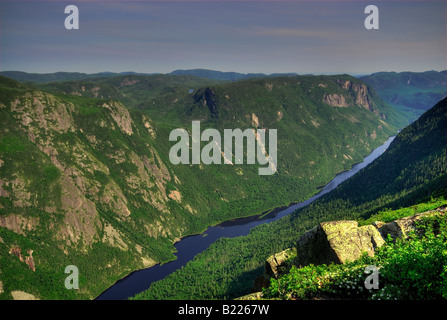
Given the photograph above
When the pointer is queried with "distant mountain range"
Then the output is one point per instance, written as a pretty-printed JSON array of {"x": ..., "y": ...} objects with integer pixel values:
[
  {"x": 412, "y": 92},
  {"x": 70, "y": 76},
  {"x": 230, "y": 76},
  {"x": 60, "y": 76}
]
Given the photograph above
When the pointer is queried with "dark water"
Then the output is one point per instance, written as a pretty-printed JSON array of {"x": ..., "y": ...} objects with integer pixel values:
[{"x": 188, "y": 247}]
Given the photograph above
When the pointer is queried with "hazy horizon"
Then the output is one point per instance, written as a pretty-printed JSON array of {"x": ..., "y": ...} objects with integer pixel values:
[
  {"x": 319, "y": 37},
  {"x": 267, "y": 74}
]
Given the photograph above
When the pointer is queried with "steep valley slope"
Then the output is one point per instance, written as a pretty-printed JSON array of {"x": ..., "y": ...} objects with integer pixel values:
[
  {"x": 412, "y": 171},
  {"x": 86, "y": 180}
]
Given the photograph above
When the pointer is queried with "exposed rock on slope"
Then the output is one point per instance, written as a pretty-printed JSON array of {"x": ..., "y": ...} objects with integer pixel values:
[
  {"x": 121, "y": 116},
  {"x": 401, "y": 227},
  {"x": 341, "y": 241},
  {"x": 208, "y": 98},
  {"x": 277, "y": 263},
  {"x": 337, "y": 242},
  {"x": 17, "y": 223},
  {"x": 71, "y": 178},
  {"x": 29, "y": 260},
  {"x": 335, "y": 100}
]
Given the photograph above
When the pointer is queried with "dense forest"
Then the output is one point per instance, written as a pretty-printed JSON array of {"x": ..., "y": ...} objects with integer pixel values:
[
  {"x": 411, "y": 171},
  {"x": 86, "y": 178}
]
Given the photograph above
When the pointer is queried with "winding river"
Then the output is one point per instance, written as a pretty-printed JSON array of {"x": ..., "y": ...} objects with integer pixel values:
[{"x": 190, "y": 246}]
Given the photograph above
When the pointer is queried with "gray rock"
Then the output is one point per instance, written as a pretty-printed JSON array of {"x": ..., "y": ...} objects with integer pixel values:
[
  {"x": 400, "y": 228},
  {"x": 277, "y": 263},
  {"x": 337, "y": 242}
]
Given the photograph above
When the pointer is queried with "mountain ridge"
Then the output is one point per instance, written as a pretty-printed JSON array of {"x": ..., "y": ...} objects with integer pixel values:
[
  {"x": 412, "y": 91},
  {"x": 87, "y": 181}
]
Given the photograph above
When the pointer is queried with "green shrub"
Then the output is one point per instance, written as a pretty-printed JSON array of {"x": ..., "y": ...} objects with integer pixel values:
[{"x": 415, "y": 268}]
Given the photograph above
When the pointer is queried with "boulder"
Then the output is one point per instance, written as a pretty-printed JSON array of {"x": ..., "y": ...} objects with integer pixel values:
[
  {"x": 277, "y": 263},
  {"x": 337, "y": 242}
]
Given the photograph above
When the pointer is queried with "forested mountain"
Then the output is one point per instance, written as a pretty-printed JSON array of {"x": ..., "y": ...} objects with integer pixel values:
[
  {"x": 411, "y": 171},
  {"x": 58, "y": 76},
  {"x": 217, "y": 75},
  {"x": 412, "y": 91},
  {"x": 86, "y": 180},
  {"x": 75, "y": 76}
]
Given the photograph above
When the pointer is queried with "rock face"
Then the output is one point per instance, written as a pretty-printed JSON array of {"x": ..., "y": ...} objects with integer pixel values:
[
  {"x": 279, "y": 262},
  {"x": 18, "y": 224},
  {"x": 335, "y": 100},
  {"x": 360, "y": 92},
  {"x": 17, "y": 251},
  {"x": 337, "y": 242},
  {"x": 121, "y": 116},
  {"x": 208, "y": 98}
]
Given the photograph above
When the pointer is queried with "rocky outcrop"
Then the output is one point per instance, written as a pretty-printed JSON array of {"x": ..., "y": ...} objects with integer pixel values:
[
  {"x": 335, "y": 100},
  {"x": 18, "y": 224},
  {"x": 22, "y": 295},
  {"x": 337, "y": 242},
  {"x": 121, "y": 116},
  {"x": 359, "y": 92},
  {"x": 251, "y": 296},
  {"x": 279, "y": 263},
  {"x": 341, "y": 241},
  {"x": 128, "y": 82},
  {"x": 400, "y": 228},
  {"x": 77, "y": 155},
  {"x": 362, "y": 97},
  {"x": 208, "y": 98},
  {"x": 29, "y": 260}
]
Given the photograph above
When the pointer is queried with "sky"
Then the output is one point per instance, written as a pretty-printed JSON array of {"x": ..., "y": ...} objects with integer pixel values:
[{"x": 318, "y": 37}]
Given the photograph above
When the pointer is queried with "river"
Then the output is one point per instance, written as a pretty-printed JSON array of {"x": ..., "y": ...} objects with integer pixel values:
[{"x": 188, "y": 247}]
